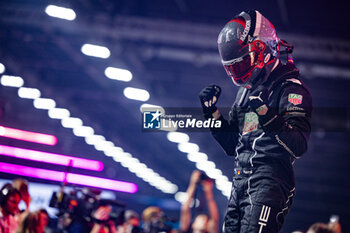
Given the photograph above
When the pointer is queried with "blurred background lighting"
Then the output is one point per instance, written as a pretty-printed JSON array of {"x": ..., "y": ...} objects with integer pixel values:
[
  {"x": 178, "y": 137},
  {"x": 205, "y": 165},
  {"x": 71, "y": 122},
  {"x": 45, "y": 157},
  {"x": 95, "y": 51},
  {"x": 83, "y": 131},
  {"x": 113, "y": 151},
  {"x": 151, "y": 107},
  {"x": 60, "y": 12},
  {"x": 44, "y": 103},
  {"x": 58, "y": 113},
  {"x": 28, "y": 93},
  {"x": 72, "y": 178},
  {"x": 28, "y": 136},
  {"x": 118, "y": 74},
  {"x": 136, "y": 94},
  {"x": 102, "y": 145},
  {"x": 94, "y": 139},
  {"x": 196, "y": 157},
  {"x": 188, "y": 147},
  {"x": 2, "y": 68},
  {"x": 11, "y": 81}
]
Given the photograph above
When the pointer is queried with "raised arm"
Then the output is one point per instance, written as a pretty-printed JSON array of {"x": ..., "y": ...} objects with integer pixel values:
[
  {"x": 213, "y": 224},
  {"x": 185, "y": 215}
]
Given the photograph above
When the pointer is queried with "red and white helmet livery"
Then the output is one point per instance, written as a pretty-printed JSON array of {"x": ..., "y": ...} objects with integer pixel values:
[{"x": 249, "y": 48}]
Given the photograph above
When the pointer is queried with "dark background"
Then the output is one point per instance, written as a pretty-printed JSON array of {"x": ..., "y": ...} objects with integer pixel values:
[{"x": 170, "y": 47}]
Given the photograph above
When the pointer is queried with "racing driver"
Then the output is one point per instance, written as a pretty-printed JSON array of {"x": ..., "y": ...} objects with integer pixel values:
[{"x": 268, "y": 126}]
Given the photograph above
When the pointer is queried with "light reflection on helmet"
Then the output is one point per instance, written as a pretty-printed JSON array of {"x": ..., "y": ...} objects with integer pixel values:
[{"x": 249, "y": 47}]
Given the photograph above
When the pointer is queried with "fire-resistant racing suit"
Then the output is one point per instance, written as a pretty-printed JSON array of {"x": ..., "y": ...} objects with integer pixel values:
[{"x": 263, "y": 183}]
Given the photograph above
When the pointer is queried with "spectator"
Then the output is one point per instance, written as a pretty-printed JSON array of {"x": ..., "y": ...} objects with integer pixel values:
[
  {"x": 332, "y": 227},
  {"x": 22, "y": 186},
  {"x": 105, "y": 224},
  {"x": 154, "y": 220},
  {"x": 9, "y": 200},
  {"x": 131, "y": 223},
  {"x": 202, "y": 223},
  {"x": 35, "y": 222}
]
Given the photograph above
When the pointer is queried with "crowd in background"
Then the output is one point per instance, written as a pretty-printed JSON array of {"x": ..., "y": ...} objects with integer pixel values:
[{"x": 152, "y": 220}]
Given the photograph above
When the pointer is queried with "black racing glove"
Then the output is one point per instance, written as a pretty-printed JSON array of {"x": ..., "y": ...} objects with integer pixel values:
[
  {"x": 209, "y": 96},
  {"x": 268, "y": 117}
]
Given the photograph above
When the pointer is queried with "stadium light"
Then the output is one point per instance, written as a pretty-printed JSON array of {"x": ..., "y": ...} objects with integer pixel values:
[
  {"x": 28, "y": 93},
  {"x": 58, "y": 113},
  {"x": 2, "y": 68},
  {"x": 188, "y": 147},
  {"x": 83, "y": 131},
  {"x": 95, "y": 51},
  {"x": 11, "y": 81},
  {"x": 136, "y": 94},
  {"x": 196, "y": 157},
  {"x": 45, "y": 157},
  {"x": 71, "y": 178},
  {"x": 60, "y": 12},
  {"x": 178, "y": 137},
  {"x": 44, "y": 103},
  {"x": 98, "y": 141},
  {"x": 28, "y": 136},
  {"x": 118, "y": 74},
  {"x": 94, "y": 139},
  {"x": 151, "y": 107},
  {"x": 71, "y": 122}
]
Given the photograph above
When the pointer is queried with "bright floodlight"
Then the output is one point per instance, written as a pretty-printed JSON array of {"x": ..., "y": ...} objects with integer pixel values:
[
  {"x": 170, "y": 189},
  {"x": 27, "y": 136},
  {"x": 188, "y": 147},
  {"x": 95, "y": 51},
  {"x": 196, "y": 157},
  {"x": 136, "y": 94},
  {"x": 2, "y": 68},
  {"x": 113, "y": 151},
  {"x": 178, "y": 137},
  {"x": 118, "y": 74},
  {"x": 94, "y": 139},
  {"x": 11, "y": 81},
  {"x": 181, "y": 197},
  {"x": 103, "y": 145},
  {"x": 151, "y": 107},
  {"x": 58, "y": 113},
  {"x": 121, "y": 157},
  {"x": 44, "y": 103},
  {"x": 28, "y": 93},
  {"x": 60, "y": 12},
  {"x": 71, "y": 178},
  {"x": 205, "y": 165},
  {"x": 71, "y": 122},
  {"x": 83, "y": 131},
  {"x": 213, "y": 173}
]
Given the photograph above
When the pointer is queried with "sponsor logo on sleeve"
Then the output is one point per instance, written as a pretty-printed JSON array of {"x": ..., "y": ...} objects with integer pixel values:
[{"x": 295, "y": 99}]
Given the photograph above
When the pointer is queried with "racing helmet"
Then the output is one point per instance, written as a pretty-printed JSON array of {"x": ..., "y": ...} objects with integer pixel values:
[{"x": 249, "y": 48}]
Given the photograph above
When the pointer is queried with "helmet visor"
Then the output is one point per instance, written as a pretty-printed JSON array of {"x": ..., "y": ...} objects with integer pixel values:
[{"x": 238, "y": 68}]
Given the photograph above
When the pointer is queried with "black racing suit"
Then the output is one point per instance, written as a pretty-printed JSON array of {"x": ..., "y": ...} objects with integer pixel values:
[{"x": 263, "y": 183}]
